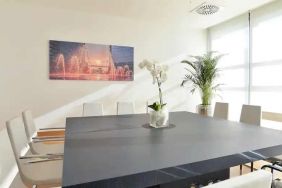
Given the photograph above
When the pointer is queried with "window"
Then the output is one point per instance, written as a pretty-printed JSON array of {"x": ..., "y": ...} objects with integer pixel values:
[
  {"x": 252, "y": 68},
  {"x": 266, "y": 79},
  {"x": 231, "y": 39}
]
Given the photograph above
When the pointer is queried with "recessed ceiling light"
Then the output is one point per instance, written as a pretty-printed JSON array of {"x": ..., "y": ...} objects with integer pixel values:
[{"x": 207, "y": 9}]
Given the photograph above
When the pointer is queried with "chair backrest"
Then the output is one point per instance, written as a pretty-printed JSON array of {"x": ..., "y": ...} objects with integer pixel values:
[
  {"x": 18, "y": 139},
  {"x": 251, "y": 114},
  {"x": 257, "y": 179},
  {"x": 20, "y": 146},
  {"x": 221, "y": 110},
  {"x": 147, "y": 108},
  {"x": 30, "y": 128},
  {"x": 93, "y": 109},
  {"x": 125, "y": 108}
]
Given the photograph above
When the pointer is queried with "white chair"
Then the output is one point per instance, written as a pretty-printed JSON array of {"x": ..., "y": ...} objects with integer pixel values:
[
  {"x": 40, "y": 145},
  {"x": 93, "y": 109},
  {"x": 29, "y": 125},
  {"x": 47, "y": 146},
  {"x": 251, "y": 114},
  {"x": 147, "y": 108},
  {"x": 257, "y": 179},
  {"x": 221, "y": 110},
  {"x": 124, "y": 108},
  {"x": 31, "y": 129},
  {"x": 34, "y": 170}
]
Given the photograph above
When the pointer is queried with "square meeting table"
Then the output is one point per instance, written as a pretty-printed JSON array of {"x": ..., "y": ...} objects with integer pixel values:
[{"x": 122, "y": 152}]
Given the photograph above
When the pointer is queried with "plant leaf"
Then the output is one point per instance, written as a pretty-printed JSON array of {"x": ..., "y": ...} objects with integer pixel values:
[{"x": 202, "y": 73}]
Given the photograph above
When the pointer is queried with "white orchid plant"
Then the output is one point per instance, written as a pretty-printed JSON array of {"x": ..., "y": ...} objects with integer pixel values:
[{"x": 159, "y": 75}]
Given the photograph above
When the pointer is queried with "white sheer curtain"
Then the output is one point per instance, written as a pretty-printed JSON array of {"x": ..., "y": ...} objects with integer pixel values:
[
  {"x": 252, "y": 68},
  {"x": 231, "y": 38},
  {"x": 266, "y": 71}
]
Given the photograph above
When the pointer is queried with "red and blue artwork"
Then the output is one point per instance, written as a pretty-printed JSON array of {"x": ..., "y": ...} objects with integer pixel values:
[{"x": 84, "y": 61}]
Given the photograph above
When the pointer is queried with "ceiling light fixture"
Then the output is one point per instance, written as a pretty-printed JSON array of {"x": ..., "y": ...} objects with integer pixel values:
[{"x": 206, "y": 8}]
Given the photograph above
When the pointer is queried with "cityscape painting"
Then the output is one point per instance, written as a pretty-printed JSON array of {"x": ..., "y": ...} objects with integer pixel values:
[{"x": 83, "y": 61}]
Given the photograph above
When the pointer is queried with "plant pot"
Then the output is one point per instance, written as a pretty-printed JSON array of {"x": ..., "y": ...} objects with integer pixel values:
[
  {"x": 159, "y": 119},
  {"x": 204, "y": 110}
]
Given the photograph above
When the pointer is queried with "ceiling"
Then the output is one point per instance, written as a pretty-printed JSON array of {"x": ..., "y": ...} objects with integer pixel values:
[{"x": 156, "y": 10}]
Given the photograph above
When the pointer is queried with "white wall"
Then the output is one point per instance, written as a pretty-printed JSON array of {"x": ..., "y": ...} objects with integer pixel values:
[{"x": 24, "y": 33}]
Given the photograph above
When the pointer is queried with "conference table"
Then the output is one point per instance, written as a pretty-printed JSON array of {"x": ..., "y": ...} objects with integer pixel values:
[{"x": 124, "y": 152}]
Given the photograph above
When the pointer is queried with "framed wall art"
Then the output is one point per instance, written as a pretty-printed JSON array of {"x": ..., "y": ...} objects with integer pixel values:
[{"x": 84, "y": 61}]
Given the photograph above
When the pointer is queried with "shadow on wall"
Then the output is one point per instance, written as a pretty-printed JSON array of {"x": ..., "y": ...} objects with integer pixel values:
[{"x": 140, "y": 91}]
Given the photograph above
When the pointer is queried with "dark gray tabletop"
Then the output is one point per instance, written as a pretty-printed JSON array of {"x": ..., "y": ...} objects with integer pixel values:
[{"x": 117, "y": 151}]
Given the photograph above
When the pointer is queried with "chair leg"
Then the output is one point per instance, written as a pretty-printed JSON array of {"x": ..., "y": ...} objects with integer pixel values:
[
  {"x": 241, "y": 169},
  {"x": 252, "y": 166}
]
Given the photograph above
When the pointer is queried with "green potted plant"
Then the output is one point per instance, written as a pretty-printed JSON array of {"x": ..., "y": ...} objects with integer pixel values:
[{"x": 202, "y": 72}]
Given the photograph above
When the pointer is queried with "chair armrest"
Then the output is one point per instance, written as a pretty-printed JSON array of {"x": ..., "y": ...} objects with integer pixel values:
[
  {"x": 46, "y": 137},
  {"x": 273, "y": 167},
  {"x": 46, "y": 156},
  {"x": 279, "y": 163},
  {"x": 43, "y": 160},
  {"x": 50, "y": 128},
  {"x": 48, "y": 140}
]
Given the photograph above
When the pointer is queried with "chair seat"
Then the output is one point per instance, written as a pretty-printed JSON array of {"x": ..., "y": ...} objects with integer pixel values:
[
  {"x": 47, "y": 147},
  {"x": 44, "y": 173}
]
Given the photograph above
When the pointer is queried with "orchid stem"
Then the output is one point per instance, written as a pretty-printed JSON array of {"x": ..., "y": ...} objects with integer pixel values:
[{"x": 160, "y": 91}]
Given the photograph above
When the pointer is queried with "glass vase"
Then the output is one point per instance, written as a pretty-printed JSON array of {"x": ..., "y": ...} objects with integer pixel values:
[
  {"x": 159, "y": 119},
  {"x": 204, "y": 110}
]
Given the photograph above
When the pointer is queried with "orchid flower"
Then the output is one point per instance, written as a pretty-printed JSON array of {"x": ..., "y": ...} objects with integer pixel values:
[{"x": 159, "y": 75}]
